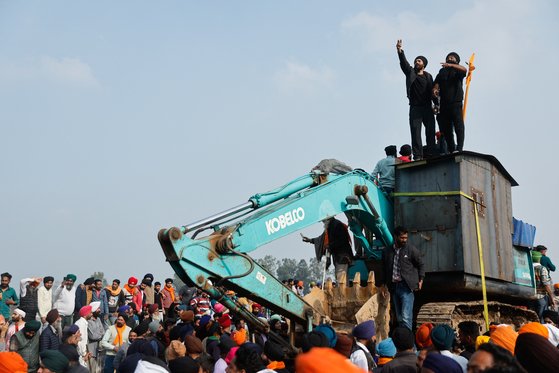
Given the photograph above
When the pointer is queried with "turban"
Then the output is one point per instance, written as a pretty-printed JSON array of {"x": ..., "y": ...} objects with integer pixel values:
[
  {"x": 329, "y": 332},
  {"x": 52, "y": 316},
  {"x": 505, "y": 337},
  {"x": 123, "y": 309},
  {"x": 239, "y": 337},
  {"x": 455, "y": 56},
  {"x": 175, "y": 350},
  {"x": 442, "y": 336},
  {"x": 32, "y": 326},
  {"x": 402, "y": 338},
  {"x": 12, "y": 362},
  {"x": 71, "y": 276},
  {"x": 141, "y": 329},
  {"x": 89, "y": 281},
  {"x": 536, "y": 256},
  {"x": 55, "y": 361},
  {"x": 441, "y": 364},
  {"x": 132, "y": 281},
  {"x": 274, "y": 351},
  {"x": 556, "y": 286},
  {"x": 481, "y": 339},
  {"x": 186, "y": 316},
  {"x": 536, "y": 354},
  {"x": 423, "y": 335},
  {"x": 154, "y": 326},
  {"x": 231, "y": 355},
  {"x": 19, "y": 312},
  {"x": 321, "y": 359},
  {"x": 95, "y": 306},
  {"x": 365, "y": 330},
  {"x": 256, "y": 307},
  {"x": 71, "y": 330},
  {"x": 424, "y": 59},
  {"x": 224, "y": 321},
  {"x": 536, "y": 328},
  {"x": 344, "y": 344},
  {"x": 300, "y": 283},
  {"x": 275, "y": 317},
  {"x": 85, "y": 310},
  {"x": 184, "y": 364},
  {"x": 386, "y": 348},
  {"x": 48, "y": 279},
  {"x": 314, "y": 339},
  {"x": 153, "y": 308},
  {"x": 553, "y": 334},
  {"x": 193, "y": 345},
  {"x": 218, "y": 307}
]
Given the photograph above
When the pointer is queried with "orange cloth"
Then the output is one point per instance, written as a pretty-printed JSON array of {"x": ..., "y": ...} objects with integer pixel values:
[
  {"x": 118, "y": 339},
  {"x": 171, "y": 291},
  {"x": 239, "y": 337},
  {"x": 536, "y": 328},
  {"x": 481, "y": 339},
  {"x": 132, "y": 291},
  {"x": 504, "y": 336},
  {"x": 423, "y": 335},
  {"x": 114, "y": 293},
  {"x": 324, "y": 359},
  {"x": 384, "y": 360},
  {"x": 12, "y": 362},
  {"x": 274, "y": 365}
]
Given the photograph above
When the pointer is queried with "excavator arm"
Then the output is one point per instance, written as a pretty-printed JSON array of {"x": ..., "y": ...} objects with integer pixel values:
[{"x": 221, "y": 257}]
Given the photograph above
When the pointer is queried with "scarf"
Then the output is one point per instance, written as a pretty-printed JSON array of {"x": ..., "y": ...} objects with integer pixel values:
[
  {"x": 274, "y": 365},
  {"x": 171, "y": 291},
  {"x": 383, "y": 360},
  {"x": 132, "y": 291},
  {"x": 114, "y": 293},
  {"x": 118, "y": 339},
  {"x": 88, "y": 296}
]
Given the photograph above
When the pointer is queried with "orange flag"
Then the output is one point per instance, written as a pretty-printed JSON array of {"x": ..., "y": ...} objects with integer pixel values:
[{"x": 471, "y": 68}]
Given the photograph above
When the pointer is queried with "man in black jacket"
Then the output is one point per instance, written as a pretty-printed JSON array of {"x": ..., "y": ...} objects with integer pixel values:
[
  {"x": 419, "y": 88},
  {"x": 448, "y": 86},
  {"x": 404, "y": 273}
]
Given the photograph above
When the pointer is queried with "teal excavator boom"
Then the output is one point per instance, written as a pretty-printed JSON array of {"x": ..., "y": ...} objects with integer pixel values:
[{"x": 220, "y": 259}]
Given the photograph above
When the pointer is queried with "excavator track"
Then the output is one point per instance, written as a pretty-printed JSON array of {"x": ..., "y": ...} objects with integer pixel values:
[{"x": 453, "y": 313}]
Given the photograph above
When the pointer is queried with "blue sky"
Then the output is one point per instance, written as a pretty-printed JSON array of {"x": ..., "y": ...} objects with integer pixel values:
[{"x": 120, "y": 118}]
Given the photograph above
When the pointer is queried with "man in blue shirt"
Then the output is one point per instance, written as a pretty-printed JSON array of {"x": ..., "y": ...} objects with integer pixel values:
[{"x": 384, "y": 170}]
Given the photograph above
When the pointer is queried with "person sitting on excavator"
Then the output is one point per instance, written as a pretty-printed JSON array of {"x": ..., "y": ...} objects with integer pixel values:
[{"x": 336, "y": 241}]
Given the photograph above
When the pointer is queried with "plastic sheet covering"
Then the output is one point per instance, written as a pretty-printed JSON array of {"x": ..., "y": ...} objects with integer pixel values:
[
  {"x": 332, "y": 166},
  {"x": 523, "y": 234}
]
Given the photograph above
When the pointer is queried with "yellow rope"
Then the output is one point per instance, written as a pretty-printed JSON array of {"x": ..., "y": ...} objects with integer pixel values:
[{"x": 478, "y": 234}]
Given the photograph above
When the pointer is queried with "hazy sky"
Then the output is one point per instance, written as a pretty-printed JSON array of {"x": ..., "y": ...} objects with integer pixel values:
[{"x": 119, "y": 118}]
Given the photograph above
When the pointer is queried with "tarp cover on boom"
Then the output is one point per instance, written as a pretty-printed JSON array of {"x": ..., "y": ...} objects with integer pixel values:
[{"x": 523, "y": 234}]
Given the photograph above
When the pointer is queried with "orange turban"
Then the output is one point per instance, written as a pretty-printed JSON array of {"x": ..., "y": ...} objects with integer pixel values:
[
  {"x": 12, "y": 362},
  {"x": 423, "y": 335},
  {"x": 536, "y": 328},
  {"x": 505, "y": 337},
  {"x": 324, "y": 359},
  {"x": 239, "y": 337}
]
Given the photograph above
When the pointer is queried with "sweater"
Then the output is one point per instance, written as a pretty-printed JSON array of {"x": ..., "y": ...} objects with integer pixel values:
[
  {"x": 44, "y": 300},
  {"x": 64, "y": 300}
]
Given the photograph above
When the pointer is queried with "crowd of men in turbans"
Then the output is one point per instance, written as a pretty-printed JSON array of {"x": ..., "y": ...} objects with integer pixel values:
[{"x": 144, "y": 326}]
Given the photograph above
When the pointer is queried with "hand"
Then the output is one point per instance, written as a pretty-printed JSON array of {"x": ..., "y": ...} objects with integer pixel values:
[
  {"x": 306, "y": 239},
  {"x": 471, "y": 67},
  {"x": 399, "y": 45},
  {"x": 10, "y": 302},
  {"x": 420, "y": 285},
  {"x": 116, "y": 348},
  {"x": 87, "y": 356},
  {"x": 43, "y": 320},
  {"x": 384, "y": 291}
]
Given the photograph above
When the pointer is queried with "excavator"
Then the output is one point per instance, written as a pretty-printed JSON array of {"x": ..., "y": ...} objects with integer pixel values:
[{"x": 458, "y": 212}]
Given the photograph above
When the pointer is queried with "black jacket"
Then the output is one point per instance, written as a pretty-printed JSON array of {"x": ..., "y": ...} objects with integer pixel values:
[
  {"x": 411, "y": 266},
  {"x": 411, "y": 75}
]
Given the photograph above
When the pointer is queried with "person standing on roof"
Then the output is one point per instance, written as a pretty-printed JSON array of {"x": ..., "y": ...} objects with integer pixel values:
[
  {"x": 543, "y": 285},
  {"x": 448, "y": 87},
  {"x": 337, "y": 241},
  {"x": 384, "y": 170},
  {"x": 419, "y": 87},
  {"x": 405, "y": 153}
]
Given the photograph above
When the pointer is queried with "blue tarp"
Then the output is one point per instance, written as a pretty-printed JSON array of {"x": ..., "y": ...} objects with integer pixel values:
[{"x": 524, "y": 234}]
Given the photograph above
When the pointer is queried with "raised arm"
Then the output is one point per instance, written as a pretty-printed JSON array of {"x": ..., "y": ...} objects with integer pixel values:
[{"x": 404, "y": 64}]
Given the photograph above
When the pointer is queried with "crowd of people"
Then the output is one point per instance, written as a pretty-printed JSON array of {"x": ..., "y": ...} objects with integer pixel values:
[{"x": 146, "y": 327}]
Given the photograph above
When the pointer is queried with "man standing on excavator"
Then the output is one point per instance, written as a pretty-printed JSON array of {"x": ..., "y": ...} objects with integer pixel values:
[
  {"x": 404, "y": 272},
  {"x": 337, "y": 241},
  {"x": 419, "y": 86}
]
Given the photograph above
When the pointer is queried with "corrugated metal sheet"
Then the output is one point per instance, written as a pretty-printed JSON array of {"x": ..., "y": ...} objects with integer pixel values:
[{"x": 443, "y": 226}]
